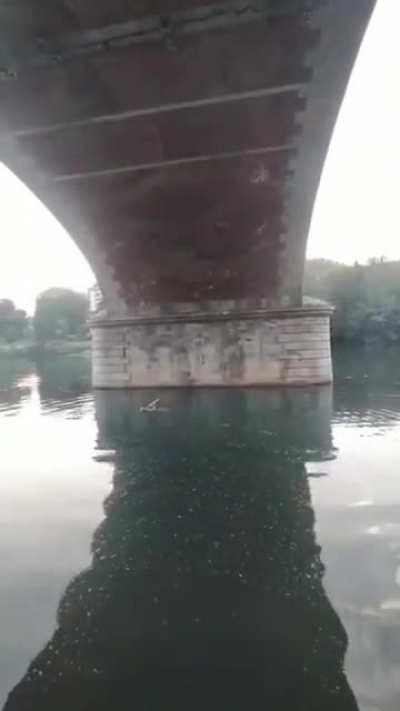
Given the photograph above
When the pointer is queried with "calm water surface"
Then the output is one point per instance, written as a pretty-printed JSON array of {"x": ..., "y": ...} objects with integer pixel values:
[{"x": 229, "y": 550}]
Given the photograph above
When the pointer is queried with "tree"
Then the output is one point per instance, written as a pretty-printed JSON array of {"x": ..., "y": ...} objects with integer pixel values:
[
  {"x": 13, "y": 322},
  {"x": 7, "y": 308},
  {"x": 366, "y": 298},
  {"x": 60, "y": 313}
]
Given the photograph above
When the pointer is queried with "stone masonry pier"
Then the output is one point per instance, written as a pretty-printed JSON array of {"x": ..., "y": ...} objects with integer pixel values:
[{"x": 259, "y": 347}]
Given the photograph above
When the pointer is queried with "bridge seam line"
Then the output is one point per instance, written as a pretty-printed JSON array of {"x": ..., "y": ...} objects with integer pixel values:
[
  {"x": 163, "y": 108},
  {"x": 172, "y": 163},
  {"x": 269, "y": 314}
]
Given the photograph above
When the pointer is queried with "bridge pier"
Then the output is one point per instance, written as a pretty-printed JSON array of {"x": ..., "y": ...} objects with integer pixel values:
[{"x": 187, "y": 345}]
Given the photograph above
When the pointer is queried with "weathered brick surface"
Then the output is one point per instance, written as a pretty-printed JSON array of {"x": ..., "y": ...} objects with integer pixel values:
[{"x": 213, "y": 352}]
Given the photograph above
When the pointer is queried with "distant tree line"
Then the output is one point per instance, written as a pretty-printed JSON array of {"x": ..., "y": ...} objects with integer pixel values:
[
  {"x": 13, "y": 321},
  {"x": 366, "y": 298},
  {"x": 60, "y": 314}
]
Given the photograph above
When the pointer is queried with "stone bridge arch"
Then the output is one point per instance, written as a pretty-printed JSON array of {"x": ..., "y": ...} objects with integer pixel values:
[{"x": 181, "y": 144}]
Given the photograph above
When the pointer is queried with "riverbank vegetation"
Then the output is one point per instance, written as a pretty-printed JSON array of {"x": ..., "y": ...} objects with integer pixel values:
[
  {"x": 366, "y": 299},
  {"x": 59, "y": 325}
]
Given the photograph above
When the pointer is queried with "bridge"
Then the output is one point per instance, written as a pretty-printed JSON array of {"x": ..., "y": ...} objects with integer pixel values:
[{"x": 181, "y": 143}]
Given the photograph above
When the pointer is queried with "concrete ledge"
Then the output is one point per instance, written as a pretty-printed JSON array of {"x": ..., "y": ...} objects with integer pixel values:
[
  {"x": 317, "y": 316},
  {"x": 261, "y": 348}
]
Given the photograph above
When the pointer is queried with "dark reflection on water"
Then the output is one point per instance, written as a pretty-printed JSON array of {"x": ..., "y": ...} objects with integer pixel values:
[
  {"x": 12, "y": 390},
  {"x": 367, "y": 387},
  {"x": 64, "y": 384},
  {"x": 206, "y": 580},
  {"x": 206, "y": 584}
]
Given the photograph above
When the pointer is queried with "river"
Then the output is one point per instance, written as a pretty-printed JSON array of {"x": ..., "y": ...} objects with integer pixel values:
[{"x": 227, "y": 549}]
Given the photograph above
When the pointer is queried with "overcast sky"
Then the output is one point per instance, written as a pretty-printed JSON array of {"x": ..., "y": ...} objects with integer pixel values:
[{"x": 357, "y": 213}]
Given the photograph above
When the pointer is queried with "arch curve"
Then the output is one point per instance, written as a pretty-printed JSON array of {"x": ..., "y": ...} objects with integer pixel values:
[{"x": 182, "y": 144}]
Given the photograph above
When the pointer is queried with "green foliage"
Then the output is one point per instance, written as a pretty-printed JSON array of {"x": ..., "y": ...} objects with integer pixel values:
[
  {"x": 13, "y": 322},
  {"x": 366, "y": 298},
  {"x": 60, "y": 314}
]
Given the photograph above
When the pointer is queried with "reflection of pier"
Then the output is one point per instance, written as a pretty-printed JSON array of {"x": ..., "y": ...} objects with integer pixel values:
[{"x": 206, "y": 581}]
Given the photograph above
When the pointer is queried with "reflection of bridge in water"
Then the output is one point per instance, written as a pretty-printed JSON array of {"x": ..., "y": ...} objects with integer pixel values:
[{"x": 206, "y": 581}]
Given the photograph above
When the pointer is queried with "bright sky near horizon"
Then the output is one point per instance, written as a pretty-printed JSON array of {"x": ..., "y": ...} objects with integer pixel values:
[{"x": 356, "y": 213}]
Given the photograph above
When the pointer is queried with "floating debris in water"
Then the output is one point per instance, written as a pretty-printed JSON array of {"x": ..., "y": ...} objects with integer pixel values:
[{"x": 153, "y": 407}]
